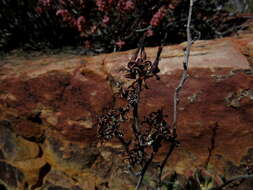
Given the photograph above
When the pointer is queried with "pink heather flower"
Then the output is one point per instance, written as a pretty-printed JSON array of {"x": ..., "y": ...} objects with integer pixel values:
[
  {"x": 106, "y": 19},
  {"x": 80, "y": 23},
  {"x": 149, "y": 33},
  {"x": 66, "y": 17},
  {"x": 101, "y": 4},
  {"x": 62, "y": 12},
  {"x": 45, "y": 3},
  {"x": 128, "y": 5},
  {"x": 158, "y": 16},
  {"x": 120, "y": 43},
  {"x": 124, "y": 5}
]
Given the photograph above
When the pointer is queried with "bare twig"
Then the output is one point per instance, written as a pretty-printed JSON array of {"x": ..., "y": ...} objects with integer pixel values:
[
  {"x": 185, "y": 66},
  {"x": 176, "y": 94},
  {"x": 231, "y": 180},
  {"x": 144, "y": 29}
]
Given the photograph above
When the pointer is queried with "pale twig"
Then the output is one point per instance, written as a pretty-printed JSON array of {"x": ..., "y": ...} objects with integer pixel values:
[
  {"x": 177, "y": 91},
  {"x": 144, "y": 29},
  {"x": 185, "y": 71}
]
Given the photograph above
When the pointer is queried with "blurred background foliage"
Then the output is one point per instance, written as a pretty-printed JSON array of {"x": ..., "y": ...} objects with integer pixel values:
[{"x": 110, "y": 25}]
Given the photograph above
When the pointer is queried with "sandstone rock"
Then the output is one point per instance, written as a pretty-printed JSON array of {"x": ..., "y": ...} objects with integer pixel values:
[
  {"x": 16, "y": 148},
  {"x": 31, "y": 169},
  {"x": 10, "y": 177},
  {"x": 49, "y": 107}
]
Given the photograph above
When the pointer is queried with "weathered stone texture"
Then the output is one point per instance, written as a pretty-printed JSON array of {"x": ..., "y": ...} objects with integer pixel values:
[{"x": 49, "y": 107}]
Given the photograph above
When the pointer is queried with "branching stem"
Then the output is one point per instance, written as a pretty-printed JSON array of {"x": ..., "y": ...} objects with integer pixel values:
[
  {"x": 177, "y": 93},
  {"x": 185, "y": 71}
]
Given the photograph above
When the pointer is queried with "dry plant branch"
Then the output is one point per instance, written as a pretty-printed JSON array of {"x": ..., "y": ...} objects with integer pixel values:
[
  {"x": 147, "y": 134},
  {"x": 185, "y": 66},
  {"x": 177, "y": 93},
  {"x": 150, "y": 133}
]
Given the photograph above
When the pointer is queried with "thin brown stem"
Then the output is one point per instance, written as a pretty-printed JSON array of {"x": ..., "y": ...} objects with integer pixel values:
[
  {"x": 143, "y": 171},
  {"x": 136, "y": 122},
  {"x": 172, "y": 147}
]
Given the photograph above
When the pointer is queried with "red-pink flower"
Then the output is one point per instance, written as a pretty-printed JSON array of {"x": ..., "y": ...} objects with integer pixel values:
[
  {"x": 158, "y": 16},
  {"x": 45, "y": 3},
  {"x": 106, "y": 19},
  {"x": 80, "y": 23},
  {"x": 62, "y": 12},
  {"x": 101, "y": 4},
  {"x": 149, "y": 33},
  {"x": 124, "y": 5},
  {"x": 129, "y": 5},
  {"x": 120, "y": 43}
]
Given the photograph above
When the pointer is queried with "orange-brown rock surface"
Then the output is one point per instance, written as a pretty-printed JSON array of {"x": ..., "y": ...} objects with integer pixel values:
[{"x": 49, "y": 106}]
